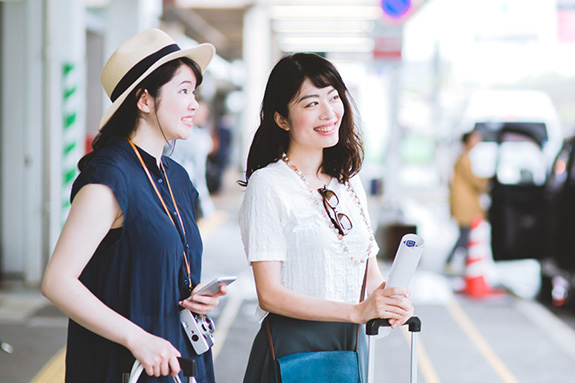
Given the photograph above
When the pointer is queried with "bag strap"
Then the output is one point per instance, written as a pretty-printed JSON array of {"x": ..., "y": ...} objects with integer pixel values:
[
  {"x": 269, "y": 334},
  {"x": 362, "y": 296}
]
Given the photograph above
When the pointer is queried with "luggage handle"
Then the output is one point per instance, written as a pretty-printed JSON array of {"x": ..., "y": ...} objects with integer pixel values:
[
  {"x": 372, "y": 327},
  {"x": 187, "y": 365}
]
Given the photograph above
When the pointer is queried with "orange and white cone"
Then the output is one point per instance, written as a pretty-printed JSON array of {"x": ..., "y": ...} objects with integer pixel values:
[{"x": 478, "y": 255}]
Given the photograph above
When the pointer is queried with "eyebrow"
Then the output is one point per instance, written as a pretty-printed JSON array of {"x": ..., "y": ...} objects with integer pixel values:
[{"x": 314, "y": 95}]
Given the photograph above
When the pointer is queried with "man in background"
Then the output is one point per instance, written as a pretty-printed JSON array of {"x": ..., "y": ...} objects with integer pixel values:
[{"x": 465, "y": 191}]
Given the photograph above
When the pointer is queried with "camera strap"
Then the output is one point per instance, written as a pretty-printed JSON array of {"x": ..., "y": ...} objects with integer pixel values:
[{"x": 182, "y": 236}]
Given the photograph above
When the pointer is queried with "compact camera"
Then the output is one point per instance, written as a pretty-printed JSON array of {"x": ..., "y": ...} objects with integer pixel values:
[{"x": 199, "y": 329}]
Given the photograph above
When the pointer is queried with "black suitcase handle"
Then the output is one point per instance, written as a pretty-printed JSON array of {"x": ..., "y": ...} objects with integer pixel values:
[
  {"x": 187, "y": 365},
  {"x": 372, "y": 327}
]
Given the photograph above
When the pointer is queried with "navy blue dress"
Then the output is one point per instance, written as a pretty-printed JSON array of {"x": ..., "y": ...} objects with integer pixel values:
[{"x": 138, "y": 270}]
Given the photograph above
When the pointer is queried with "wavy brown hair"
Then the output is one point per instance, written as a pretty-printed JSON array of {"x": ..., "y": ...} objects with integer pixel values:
[{"x": 341, "y": 161}]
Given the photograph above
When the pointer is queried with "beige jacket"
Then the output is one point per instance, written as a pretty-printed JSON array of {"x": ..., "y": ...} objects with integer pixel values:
[{"x": 465, "y": 190}]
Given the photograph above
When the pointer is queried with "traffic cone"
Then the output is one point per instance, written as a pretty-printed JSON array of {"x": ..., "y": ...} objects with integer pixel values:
[{"x": 478, "y": 251}]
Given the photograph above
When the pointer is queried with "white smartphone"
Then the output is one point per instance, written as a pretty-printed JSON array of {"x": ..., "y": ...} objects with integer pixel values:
[{"x": 213, "y": 287}]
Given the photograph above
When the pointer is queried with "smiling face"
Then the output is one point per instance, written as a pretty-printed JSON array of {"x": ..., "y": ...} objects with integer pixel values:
[
  {"x": 314, "y": 118},
  {"x": 177, "y": 105}
]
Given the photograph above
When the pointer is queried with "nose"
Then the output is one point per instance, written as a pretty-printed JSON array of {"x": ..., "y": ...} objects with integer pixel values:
[
  {"x": 193, "y": 105},
  {"x": 327, "y": 112}
]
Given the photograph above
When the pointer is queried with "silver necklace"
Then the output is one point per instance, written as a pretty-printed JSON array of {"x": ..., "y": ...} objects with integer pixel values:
[{"x": 356, "y": 200}]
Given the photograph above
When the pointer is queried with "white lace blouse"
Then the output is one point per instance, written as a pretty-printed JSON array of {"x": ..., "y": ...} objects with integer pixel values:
[{"x": 280, "y": 220}]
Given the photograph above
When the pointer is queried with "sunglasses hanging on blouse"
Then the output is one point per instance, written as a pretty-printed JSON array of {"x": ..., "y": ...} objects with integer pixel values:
[{"x": 330, "y": 202}]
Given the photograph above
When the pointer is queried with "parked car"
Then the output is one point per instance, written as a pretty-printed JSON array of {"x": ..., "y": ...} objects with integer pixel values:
[
  {"x": 518, "y": 206},
  {"x": 521, "y": 137},
  {"x": 558, "y": 265},
  {"x": 528, "y": 111}
]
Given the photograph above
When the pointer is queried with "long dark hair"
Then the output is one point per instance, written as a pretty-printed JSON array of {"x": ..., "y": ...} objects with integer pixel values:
[
  {"x": 123, "y": 123},
  {"x": 341, "y": 161}
]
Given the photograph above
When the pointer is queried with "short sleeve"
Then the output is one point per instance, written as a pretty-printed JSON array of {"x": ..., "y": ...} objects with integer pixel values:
[
  {"x": 260, "y": 219},
  {"x": 358, "y": 187},
  {"x": 104, "y": 172}
]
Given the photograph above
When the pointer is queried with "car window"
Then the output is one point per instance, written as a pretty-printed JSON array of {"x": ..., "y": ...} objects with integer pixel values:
[{"x": 518, "y": 162}]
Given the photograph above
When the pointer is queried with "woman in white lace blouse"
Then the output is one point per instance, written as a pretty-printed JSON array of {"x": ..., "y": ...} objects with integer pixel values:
[{"x": 304, "y": 220}]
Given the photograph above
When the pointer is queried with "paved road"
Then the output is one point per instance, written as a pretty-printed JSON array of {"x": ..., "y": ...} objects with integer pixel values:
[
  {"x": 504, "y": 339},
  {"x": 499, "y": 339}
]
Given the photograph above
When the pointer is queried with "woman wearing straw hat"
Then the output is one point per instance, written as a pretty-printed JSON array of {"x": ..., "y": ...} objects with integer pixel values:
[{"x": 130, "y": 251}]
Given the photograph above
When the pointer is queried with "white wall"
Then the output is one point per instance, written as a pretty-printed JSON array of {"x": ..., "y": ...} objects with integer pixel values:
[
  {"x": 257, "y": 54},
  {"x": 22, "y": 135},
  {"x": 42, "y": 117},
  {"x": 66, "y": 99}
]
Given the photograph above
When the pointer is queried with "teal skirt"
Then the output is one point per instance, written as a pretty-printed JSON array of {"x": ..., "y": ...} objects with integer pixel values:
[{"x": 295, "y": 335}]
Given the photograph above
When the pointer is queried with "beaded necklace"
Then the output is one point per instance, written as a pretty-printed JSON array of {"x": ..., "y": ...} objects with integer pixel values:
[{"x": 356, "y": 200}]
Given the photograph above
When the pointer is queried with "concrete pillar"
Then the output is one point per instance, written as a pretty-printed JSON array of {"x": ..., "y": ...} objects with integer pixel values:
[
  {"x": 126, "y": 18},
  {"x": 42, "y": 123},
  {"x": 257, "y": 52},
  {"x": 65, "y": 103},
  {"x": 392, "y": 179},
  {"x": 22, "y": 139}
]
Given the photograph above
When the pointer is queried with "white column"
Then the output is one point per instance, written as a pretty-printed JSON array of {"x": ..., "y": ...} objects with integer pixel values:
[
  {"x": 393, "y": 163},
  {"x": 124, "y": 19},
  {"x": 257, "y": 44},
  {"x": 65, "y": 101},
  {"x": 22, "y": 140},
  {"x": 13, "y": 96}
]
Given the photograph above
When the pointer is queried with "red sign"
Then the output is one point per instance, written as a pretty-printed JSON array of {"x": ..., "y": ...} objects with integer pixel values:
[
  {"x": 388, "y": 32},
  {"x": 388, "y": 47},
  {"x": 566, "y": 21}
]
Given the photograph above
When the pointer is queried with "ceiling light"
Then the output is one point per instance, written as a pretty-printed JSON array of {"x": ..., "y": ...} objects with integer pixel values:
[
  {"x": 310, "y": 26},
  {"x": 319, "y": 12},
  {"x": 327, "y": 44}
]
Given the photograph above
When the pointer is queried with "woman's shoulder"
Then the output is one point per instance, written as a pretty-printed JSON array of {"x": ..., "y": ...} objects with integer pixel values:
[
  {"x": 108, "y": 165},
  {"x": 178, "y": 174},
  {"x": 355, "y": 181},
  {"x": 269, "y": 174},
  {"x": 173, "y": 165},
  {"x": 355, "y": 185},
  {"x": 269, "y": 182},
  {"x": 116, "y": 154}
]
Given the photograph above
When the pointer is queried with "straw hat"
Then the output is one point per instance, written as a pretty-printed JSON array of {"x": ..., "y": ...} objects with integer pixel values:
[{"x": 138, "y": 57}]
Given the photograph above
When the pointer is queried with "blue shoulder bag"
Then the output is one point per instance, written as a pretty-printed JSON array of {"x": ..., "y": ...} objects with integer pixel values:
[{"x": 318, "y": 366}]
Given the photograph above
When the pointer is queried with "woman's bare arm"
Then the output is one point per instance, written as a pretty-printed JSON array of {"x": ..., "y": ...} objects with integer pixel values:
[
  {"x": 94, "y": 211},
  {"x": 276, "y": 298}
]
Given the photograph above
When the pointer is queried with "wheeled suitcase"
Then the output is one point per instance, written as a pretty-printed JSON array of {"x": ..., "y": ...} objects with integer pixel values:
[
  {"x": 372, "y": 330},
  {"x": 132, "y": 369}
]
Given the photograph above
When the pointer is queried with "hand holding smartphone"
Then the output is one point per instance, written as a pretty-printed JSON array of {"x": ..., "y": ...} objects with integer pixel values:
[{"x": 213, "y": 287}]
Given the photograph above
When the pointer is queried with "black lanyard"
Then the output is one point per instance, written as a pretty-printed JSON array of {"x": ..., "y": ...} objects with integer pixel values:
[{"x": 166, "y": 208}]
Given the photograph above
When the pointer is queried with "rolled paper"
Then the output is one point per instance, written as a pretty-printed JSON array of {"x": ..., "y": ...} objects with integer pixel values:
[{"x": 406, "y": 259}]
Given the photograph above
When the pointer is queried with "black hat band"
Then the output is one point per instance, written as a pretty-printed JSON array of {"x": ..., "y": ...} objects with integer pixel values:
[{"x": 140, "y": 68}]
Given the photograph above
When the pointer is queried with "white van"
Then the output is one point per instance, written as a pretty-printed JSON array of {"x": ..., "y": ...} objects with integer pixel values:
[{"x": 520, "y": 160}]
